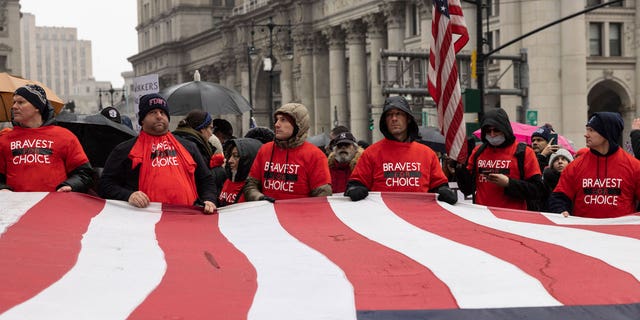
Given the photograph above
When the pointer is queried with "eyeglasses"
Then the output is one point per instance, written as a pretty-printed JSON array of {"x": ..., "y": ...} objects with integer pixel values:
[{"x": 492, "y": 130}]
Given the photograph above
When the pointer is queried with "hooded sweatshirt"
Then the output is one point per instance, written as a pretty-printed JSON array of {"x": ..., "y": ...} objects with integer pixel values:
[
  {"x": 501, "y": 159},
  {"x": 599, "y": 185},
  {"x": 400, "y": 166},
  {"x": 231, "y": 190},
  {"x": 288, "y": 169}
]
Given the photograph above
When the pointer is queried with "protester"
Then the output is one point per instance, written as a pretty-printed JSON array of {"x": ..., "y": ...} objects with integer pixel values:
[
  {"x": 197, "y": 127},
  {"x": 635, "y": 137},
  {"x": 551, "y": 175},
  {"x": 543, "y": 146},
  {"x": 398, "y": 162},
  {"x": 289, "y": 167},
  {"x": 500, "y": 172},
  {"x": 240, "y": 155},
  {"x": 342, "y": 160},
  {"x": 217, "y": 162},
  {"x": 602, "y": 183},
  {"x": 37, "y": 155},
  {"x": 223, "y": 130},
  {"x": 157, "y": 166},
  {"x": 262, "y": 134},
  {"x": 332, "y": 135}
]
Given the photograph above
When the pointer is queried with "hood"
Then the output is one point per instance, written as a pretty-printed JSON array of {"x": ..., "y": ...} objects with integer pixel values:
[
  {"x": 247, "y": 150},
  {"x": 300, "y": 114},
  {"x": 400, "y": 103},
  {"x": 499, "y": 119},
  {"x": 609, "y": 125}
]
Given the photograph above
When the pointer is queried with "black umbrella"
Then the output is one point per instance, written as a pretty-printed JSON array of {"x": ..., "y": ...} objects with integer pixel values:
[
  {"x": 432, "y": 137},
  {"x": 97, "y": 134},
  {"x": 208, "y": 96},
  {"x": 319, "y": 140}
]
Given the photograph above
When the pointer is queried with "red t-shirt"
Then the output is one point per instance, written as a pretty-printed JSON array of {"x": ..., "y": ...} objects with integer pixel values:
[
  {"x": 501, "y": 160},
  {"x": 290, "y": 173},
  {"x": 231, "y": 191},
  {"x": 39, "y": 159},
  {"x": 602, "y": 187},
  {"x": 389, "y": 165}
]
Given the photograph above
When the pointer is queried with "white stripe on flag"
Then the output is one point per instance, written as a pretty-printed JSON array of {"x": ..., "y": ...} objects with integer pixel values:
[
  {"x": 571, "y": 220},
  {"x": 617, "y": 251},
  {"x": 294, "y": 281},
  {"x": 15, "y": 205},
  {"x": 119, "y": 264},
  {"x": 474, "y": 285}
]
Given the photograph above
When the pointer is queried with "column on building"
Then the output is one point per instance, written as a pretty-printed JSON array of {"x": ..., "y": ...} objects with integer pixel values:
[
  {"x": 244, "y": 65},
  {"x": 286, "y": 79},
  {"x": 304, "y": 46},
  {"x": 574, "y": 75},
  {"x": 510, "y": 28},
  {"x": 337, "y": 74},
  {"x": 322, "y": 101},
  {"x": 394, "y": 12},
  {"x": 375, "y": 32},
  {"x": 359, "y": 125}
]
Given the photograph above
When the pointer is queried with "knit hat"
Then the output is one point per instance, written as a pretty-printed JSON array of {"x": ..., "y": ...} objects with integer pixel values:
[
  {"x": 196, "y": 119},
  {"x": 36, "y": 95},
  {"x": 543, "y": 132},
  {"x": 562, "y": 153},
  {"x": 608, "y": 124},
  {"x": 149, "y": 102}
]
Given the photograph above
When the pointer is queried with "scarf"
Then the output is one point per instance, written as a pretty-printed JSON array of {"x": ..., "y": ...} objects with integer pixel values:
[{"x": 166, "y": 169}]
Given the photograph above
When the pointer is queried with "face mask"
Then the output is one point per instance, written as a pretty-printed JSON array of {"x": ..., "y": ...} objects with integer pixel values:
[{"x": 495, "y": 141}]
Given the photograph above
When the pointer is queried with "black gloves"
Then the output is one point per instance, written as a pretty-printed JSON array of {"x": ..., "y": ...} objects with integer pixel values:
[
  {"x": 272, "y": 200},
  {"x": 356, "y": 191},
  {"x": 447, "y": 195}
]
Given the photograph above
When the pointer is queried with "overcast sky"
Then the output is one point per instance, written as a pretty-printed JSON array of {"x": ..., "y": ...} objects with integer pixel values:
[{"x": 110, "y": 25}]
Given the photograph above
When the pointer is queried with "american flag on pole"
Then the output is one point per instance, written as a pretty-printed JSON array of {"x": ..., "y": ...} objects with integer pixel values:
[
  {"x": 389, "y": 256},
  {"x": 443, "y": 83}
]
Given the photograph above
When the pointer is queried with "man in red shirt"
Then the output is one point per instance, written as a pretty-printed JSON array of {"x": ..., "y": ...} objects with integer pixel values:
[
  {"x": 493, "y": 172},
  {"x": 38, "y": 156},
  {"x": 602, "y": 183},
  {"x": 398, "y": 162},
  {"x": 289, "y": 167}
]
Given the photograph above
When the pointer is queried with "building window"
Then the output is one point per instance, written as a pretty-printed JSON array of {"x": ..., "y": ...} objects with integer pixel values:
[
  {"x": 595, "y": 39},
  {"x": 615, "y": 39},
  {"x": 591, "y": 3},
  {"x": 414, "y": 20}
]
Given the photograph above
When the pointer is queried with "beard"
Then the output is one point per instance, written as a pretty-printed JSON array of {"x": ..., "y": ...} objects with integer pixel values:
[{"x": 343, "y": 156}]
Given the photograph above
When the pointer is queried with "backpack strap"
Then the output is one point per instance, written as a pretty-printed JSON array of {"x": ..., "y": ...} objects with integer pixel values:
[{"x": 520, "y": 151}]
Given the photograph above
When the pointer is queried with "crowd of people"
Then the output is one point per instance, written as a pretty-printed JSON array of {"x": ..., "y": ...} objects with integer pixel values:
[{"x": 202, "y": 163}]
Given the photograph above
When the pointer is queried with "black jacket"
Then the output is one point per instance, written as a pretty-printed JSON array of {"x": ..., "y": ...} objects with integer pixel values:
[{"x": 119, "y": 181}]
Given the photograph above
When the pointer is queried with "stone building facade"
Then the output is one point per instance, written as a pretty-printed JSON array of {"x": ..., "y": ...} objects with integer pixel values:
[
  {"x": 10, "y": 49},
  {"x": 325, "y": 54}
]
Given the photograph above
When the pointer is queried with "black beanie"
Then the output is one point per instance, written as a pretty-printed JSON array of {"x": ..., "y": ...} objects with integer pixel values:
[
  {"x": 149, "y": 102},
  {"x": 543, "y": 132},
  {"x": 36, "y": 95},
  {"x": 608, "y": 124}
]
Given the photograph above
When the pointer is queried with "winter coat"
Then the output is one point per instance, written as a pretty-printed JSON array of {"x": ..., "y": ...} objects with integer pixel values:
[
  {"x": 119, "y": 180},
  {"x": 293, "y": 168}
]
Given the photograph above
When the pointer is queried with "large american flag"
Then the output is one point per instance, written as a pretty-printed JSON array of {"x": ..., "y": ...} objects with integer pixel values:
[
  {"x": 390, "y": 256},
  {"x": 443, "y": 83}
]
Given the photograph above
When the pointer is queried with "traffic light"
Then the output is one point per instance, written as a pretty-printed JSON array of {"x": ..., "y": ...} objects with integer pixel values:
[{"x": 371, "y": 124}]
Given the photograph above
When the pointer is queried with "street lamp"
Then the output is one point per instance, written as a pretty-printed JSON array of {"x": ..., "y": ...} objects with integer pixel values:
[
  {"x": 110, "y": 92},
  {"x": 269, "y": 61}
]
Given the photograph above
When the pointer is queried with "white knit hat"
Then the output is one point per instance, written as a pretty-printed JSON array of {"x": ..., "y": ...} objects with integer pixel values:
[{"x": 561, "y": 152}]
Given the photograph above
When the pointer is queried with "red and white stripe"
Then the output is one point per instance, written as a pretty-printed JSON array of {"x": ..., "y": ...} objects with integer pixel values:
[
  {"x": 443, "y": 82},
  {"x": 70, "y": 256}
]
